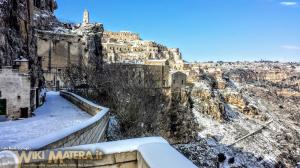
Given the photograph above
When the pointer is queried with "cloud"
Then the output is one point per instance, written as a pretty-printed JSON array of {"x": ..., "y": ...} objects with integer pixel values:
[
  {"x": 290, "y": 47},
  {"x": 289, "y": 3}
]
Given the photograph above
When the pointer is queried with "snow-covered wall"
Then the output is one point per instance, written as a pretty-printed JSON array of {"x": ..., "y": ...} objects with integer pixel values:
[
  {"x": 91, "y": 131},
  {"x": 150, "y": 152}
]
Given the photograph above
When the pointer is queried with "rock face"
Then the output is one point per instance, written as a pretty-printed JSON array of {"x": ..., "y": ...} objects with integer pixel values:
[
  {"x": 17, "y": 38},
  {"x": 254, "y": 100},
  {"x": 235, "y": 99},
  {"x": 206, "y": 102},
  {"x": 241, "y": 75},
  {"x": 66, "y": 47}
]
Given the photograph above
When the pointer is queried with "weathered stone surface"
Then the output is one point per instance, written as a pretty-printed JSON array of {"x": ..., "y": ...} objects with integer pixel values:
[
  {"x": 17, "y": 20},
  {"x": 235, "y": 99},
  {"x": 15, "y": 89}
]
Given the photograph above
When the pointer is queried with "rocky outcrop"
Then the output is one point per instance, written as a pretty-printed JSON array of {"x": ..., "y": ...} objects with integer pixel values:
[
  {"x": 17, "y": 33},
  {"x": 208, "y": 102},
  {"x": 177, "y": 123},
  {"x": 241, "y": 75},
  {"x": 235, "y": 99},
  {"x": 212, "y": 99}
]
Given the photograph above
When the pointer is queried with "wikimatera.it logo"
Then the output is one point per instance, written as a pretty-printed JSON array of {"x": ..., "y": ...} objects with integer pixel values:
[{"x": 14, "y": 159}]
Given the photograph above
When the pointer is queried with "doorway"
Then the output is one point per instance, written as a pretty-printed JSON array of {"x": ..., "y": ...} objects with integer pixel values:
[
  {"x": 37, "y": 97},
  {"x": 57, "y": 86},
  {"x": 24, "y": 113},
  {"x": 2, "y": 106}
]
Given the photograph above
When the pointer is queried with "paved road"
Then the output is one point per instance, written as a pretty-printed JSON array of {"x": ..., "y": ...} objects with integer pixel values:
[
  {"x": 57, "y": 113},
  {"x": 2, "y": 118}
]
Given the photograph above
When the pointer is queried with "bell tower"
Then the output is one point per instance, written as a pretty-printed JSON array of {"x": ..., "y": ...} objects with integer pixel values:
[{"x": 86, "y": 17}]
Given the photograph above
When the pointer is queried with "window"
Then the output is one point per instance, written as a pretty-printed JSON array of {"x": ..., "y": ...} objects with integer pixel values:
[
  {"x": 19, "y": 97},
  {"x": 0, "y": 94},
  {"x": 182, "y": 82}
]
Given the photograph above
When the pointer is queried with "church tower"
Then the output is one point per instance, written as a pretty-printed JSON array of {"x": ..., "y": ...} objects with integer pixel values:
[{"x": 86, "y": 17}]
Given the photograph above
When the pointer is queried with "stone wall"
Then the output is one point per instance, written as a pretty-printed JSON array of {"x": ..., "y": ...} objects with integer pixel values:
[
  {"x": 61, "y": 49},
  {"x": 58, "y": 51},
  {"x": 177, "y": 80},
  {"x": 15, "y": 89},
  {"x": 149, "y": 76},
  {"x": 125, "y": 36}
]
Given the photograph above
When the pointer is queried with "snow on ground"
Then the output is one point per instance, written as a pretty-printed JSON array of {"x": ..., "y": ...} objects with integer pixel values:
[
  {"x": 226, "y": 133},
  {"x": 56, "y": 114}
]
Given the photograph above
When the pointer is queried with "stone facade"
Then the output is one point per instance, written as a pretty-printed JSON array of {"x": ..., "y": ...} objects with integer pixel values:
[
  {"x": 58, "y": 50},
  {"x": 15, "y": 89},
  {"x": 177, "y": 80},
  {"x": 148, "y": 76},
  {"x": 121, "y": 36}
]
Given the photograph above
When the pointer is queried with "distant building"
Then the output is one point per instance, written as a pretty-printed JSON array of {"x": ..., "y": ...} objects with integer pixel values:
[
  {"x": 86, "y": 17},
  {"x": 177, "y": 80},
  {"x": 157, "y": 62}
]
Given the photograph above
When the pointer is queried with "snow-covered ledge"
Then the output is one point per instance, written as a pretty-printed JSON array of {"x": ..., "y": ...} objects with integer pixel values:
[
  {"x": 151, "y": 152},
  {"x": 90, "y": 131}
]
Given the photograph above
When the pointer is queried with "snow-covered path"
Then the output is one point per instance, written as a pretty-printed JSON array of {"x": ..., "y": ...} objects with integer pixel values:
[{"x": 56, "y": 114}]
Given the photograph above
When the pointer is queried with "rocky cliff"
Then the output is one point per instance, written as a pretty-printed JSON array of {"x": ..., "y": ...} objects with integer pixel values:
[
  {"x": 247, "y": 122},
  {"x": 18, "y": 21}
]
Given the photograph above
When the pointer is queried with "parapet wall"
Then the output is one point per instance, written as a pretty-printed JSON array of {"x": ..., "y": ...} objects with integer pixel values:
[
  {"x": 86, "y": 106},
  {"x": 151, "y": 152},
  {"x": 88, "y": 132}
]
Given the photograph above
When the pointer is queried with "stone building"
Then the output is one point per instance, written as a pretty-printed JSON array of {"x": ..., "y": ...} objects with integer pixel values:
[
  {"x": 177, "y": 80},
  {"x": 121, "y": 36},
  {"x": 57, "y": 51},
  {"x": 60, "y": 49},
  {"x": 17, "y": 98},
  {"x": 156, "y": 62},
  {"x": 127, "y": 47}
]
